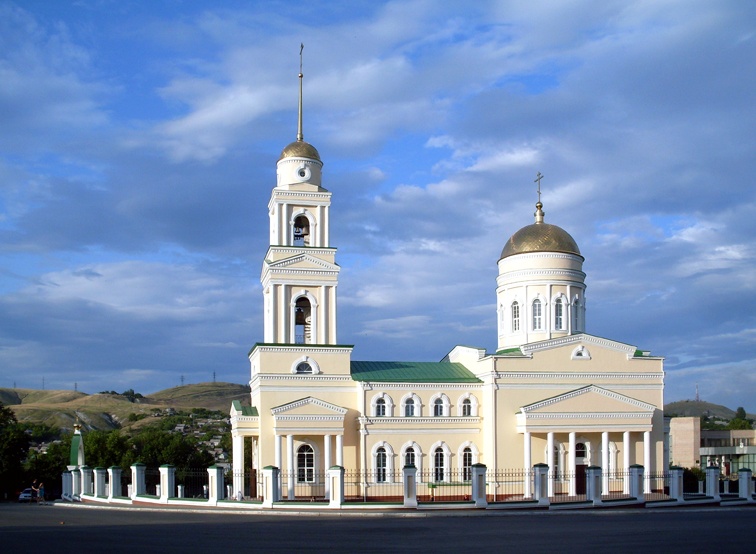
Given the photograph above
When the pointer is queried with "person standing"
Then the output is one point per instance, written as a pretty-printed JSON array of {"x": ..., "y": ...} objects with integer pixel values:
[
  {"x": 34, "y": 491},
  {"x": 41, "y": 493}
]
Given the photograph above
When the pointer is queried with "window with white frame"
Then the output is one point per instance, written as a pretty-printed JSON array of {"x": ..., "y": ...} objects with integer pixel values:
[
  {"x": 380, "y": 407},
  {"x": 515, "y": 317},
  {"x": 409, "y": 407},
  {"x": 537, "y": 315},
  {"x": 305, "y": 464},
  {"x": 380, "y": 465},
  {"x": 558, "y": 314},
  {"x": 438, "y": 407},
  {"x": 439, "y": 464},
  {"x": 409, "y": 457},
  {"x": 467, "y": 461},
  {"x": 466, "y": 407},
  {"x": 575, "y": 311}
]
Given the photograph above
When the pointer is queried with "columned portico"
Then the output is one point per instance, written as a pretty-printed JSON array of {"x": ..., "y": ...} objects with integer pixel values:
[
  {"x": 550, "y": 460},
  {"x": 572, "y": 464},
  {"x": 647, "y": 460},
  {"x": 605, "y": 462},
  {"x": 290, "y": 467},
  {"x": 528, "y": 461}
]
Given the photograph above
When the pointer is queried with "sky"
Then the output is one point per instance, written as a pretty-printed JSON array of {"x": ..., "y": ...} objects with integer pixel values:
[{"x": 138, "y": 150}]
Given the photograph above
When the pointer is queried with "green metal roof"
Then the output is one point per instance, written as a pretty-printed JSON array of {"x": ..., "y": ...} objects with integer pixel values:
[
  {"x": 245, "y": 410},
  {"x": 412, "y": 372}
]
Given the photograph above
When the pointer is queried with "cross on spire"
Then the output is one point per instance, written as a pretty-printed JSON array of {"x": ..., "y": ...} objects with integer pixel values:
[
  {"x": 300, "y": 136},
  {"x": 538, "y": 180}
]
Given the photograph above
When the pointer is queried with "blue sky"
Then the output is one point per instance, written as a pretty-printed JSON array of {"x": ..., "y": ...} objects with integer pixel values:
[{"x": 138, "y": 151}]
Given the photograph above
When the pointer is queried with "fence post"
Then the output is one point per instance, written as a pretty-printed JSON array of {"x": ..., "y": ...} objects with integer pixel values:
[
  {"x": 409, "y": 478},
  {"x": 138, "y": 484},
  {"x": 99, "y": 481},
  {"x": 636, "y": 482},
  {"x": 479, "y": 485},
  {"x": 167, "y": 481},
  {"x": 745, "y": 484},
  {"x": 75, "y": 484},
  {"x": 114, "y": 477},
  {"x": 676, "y": 483},
  {"x": 271, "y": 488},
  {"x": 541, "y": 484},
  {"x": 86, "y": 480},
  {"x": 215, "y": 484},
  {"x": 712, "y": 482},
  {"x": 336, "y": 481},
  {"x": 593, "y": 484},
  {"x": 66, "y": 478}
]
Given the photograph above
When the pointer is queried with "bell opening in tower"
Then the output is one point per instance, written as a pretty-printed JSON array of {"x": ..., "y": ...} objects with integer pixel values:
[
  {"x": 303, "y": 322},
  {"x": 301, "y": 231}
]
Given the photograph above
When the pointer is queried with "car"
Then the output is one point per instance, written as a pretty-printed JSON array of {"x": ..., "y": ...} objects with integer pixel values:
[{"x": 25, "y": 496}]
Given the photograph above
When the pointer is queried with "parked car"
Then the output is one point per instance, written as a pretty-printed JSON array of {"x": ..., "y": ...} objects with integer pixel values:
[{"x": 25, "y": 496}]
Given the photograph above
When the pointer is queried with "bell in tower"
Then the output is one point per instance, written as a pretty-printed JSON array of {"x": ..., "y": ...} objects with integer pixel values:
[{"x": 303, "y": 321}]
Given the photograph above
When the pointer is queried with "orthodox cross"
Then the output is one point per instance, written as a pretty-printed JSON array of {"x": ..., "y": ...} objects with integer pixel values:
[{"x": 538, "y": 180}]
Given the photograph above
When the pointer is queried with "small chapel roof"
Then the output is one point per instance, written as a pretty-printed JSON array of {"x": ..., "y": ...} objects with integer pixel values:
[{"x": 412, "y": 372}]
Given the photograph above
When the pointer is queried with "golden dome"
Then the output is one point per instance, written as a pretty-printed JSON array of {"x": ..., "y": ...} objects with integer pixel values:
[
  {"x": 540, "y": 237},
  {"x": 300, "y": 149}
]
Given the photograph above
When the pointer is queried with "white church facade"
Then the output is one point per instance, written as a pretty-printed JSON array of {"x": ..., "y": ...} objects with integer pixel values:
[{"x": 550, "y": 394}]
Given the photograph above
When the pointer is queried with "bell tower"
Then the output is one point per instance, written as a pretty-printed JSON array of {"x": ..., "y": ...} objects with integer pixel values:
[{"x": 299, "y": 274}]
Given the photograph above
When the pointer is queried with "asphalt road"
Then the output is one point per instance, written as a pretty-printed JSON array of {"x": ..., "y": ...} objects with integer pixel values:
[{"x": 25, "y": 528}]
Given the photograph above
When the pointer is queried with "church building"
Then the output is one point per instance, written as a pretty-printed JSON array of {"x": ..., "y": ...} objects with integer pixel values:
[{"x": 551, "y": 393}]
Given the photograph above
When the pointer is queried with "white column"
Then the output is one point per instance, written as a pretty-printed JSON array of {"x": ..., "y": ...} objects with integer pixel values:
[
  {"x": 605, "y": 462},
  {"x": 278, "y": 452},
  {"x": 626, "y": 460},
  {"x": 290, "y": 464},
  {"x": 572, "y": 468},
  {"x": 550, "y": 461},
  {"x": 647, "y": 461},
  {"x": 327, "y": 462},
  {"x": 528, "y": 462},
  {"x": 340, "y": 450}
]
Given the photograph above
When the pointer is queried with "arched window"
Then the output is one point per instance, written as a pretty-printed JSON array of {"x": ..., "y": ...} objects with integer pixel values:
[
  {"x": 301, "y": 231},
  {"x": 380, "y": 465},
  {"x": 575, "y": 311},
  {"x": 409, "y": 457},
  {"x": 409, "y": 408},
  {"x": 305, "y": 464},
  {"x": 304, "y": 367},
  {"x": 438, "y": 407},
  {"x": 438, "y": 464},
  {"x": 303, "y": 321},
  {"x": 515, "y": 317},
  {"x": 580, "y": 450},
  {"x": 558, "y": 314},
  {"x": 466, "y": 407},
  {"x": 467, "y": 461},
  {"x": 537, "y": 316},
  {"x": 380, "y": 407}
]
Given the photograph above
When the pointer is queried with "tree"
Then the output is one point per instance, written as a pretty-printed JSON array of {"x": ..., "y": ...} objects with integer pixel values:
[
  {"x": 14, "y": 445},
  {"x": 47, "y": 468},
  {"x": 740, "y": 413}
]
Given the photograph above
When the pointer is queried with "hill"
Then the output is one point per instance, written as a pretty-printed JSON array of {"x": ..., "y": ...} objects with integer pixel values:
[
  {"x": 698, "y": 408},
  {"x": 105, "y": 411}
]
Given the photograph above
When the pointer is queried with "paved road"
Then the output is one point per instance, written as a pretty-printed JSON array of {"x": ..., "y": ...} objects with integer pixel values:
[{"x": 25, "y": 528}]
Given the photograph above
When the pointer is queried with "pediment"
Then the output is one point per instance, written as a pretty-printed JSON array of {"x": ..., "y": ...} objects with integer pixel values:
[
  {"x": 576, "y": 341},
  {"x": 308, "y": 407},
  {"x": 302, "y": 261},
  {"x": 590, "y": 399}
]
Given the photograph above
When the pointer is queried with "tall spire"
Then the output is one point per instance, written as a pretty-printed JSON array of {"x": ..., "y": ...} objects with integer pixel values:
[{"x": 300, "y": 136}]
